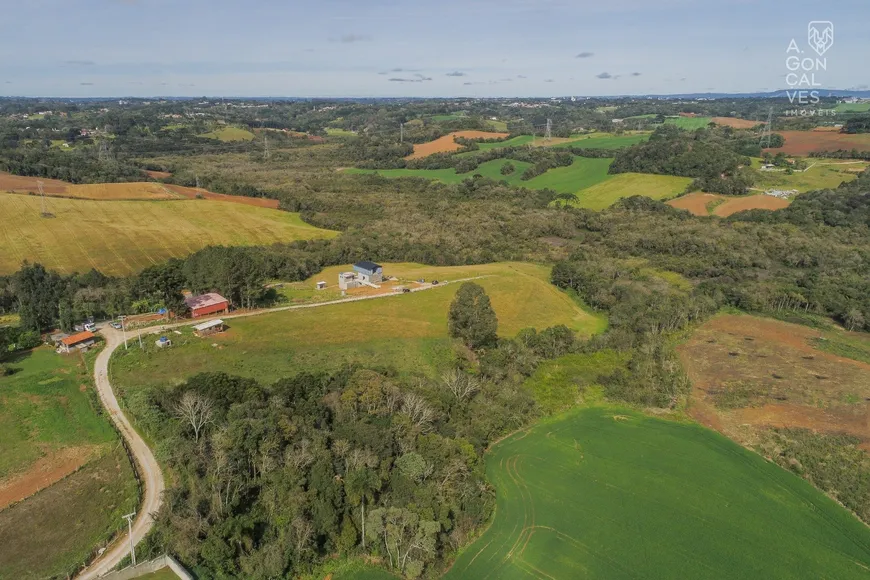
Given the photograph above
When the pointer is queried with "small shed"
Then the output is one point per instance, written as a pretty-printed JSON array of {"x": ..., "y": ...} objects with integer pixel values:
[
  {"x": 205, "y": 304},
  {"x": 347, "y": 280},
  {"x": 321, "y": 285},
  {"x": 163, "y": 342},
  {"x": 80, "y": 341},
  {"x": 210, "y": 327}
]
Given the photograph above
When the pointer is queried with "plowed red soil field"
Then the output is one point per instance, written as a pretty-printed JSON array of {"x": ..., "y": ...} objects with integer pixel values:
[
  {"x": 446, "y": 143},
  {"x": 193, "y": 192},
  {"x": 697, "y": 203},
  {"x": 806, "y": 142},
  {"x": 790, "y": 382}
]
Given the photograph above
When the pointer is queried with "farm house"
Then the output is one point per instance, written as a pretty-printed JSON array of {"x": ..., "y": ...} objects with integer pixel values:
[
  {"x": 205, "y": 304},
  {"x": 369, "y": 272},
  {"x": 364, "y": 274},
  {"x": 80, "y": 341}
]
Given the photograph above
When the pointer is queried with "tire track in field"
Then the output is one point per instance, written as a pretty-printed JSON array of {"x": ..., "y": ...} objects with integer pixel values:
[
  {"x": 109, "y": 235},
  {"x": 38, "y": 229},
  {"x": 128, "y": 226}
]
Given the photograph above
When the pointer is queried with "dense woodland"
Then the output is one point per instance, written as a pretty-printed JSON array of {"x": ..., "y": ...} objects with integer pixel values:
[{"x": 270, "y": 479}]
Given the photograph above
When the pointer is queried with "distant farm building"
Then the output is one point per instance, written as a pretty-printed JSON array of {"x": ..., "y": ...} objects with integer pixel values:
[
  {"x": 207, "y": 328},
  {"x": 205, "y": 304},
  {"x": 369, "y": 272},
  {"x": 80, "y": 341},
  {"x": 321, "y": 285},
  {"x": 364, "y": 274}
]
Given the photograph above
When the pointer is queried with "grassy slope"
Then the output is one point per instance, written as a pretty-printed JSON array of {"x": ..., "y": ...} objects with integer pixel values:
[
  {"x": 610, "y": 493},
  {"x": 606, "y": 141},
  {"x": 852, "y": 107},
  {"x": 230, "y": 134},
  {"x": 690, "y": 123},
  {"x": 121, "y": 237},
  {"x": 822, "y": 174},
  {"x": 52, "y": 533},
  {"x": 43, "y": 408},
  {"x": 606, "y": 193},
  {"x": 408, "y": 332},
  {"x": 582, "y": 173}
]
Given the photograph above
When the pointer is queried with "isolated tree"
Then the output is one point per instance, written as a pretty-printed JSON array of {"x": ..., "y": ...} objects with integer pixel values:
[
  {"x": 507, "y": 168},
  {"x": 854, "y": 319},
  {"x": 471, "y": 317},
  {"x": 196, "y": 410},
  {"x": 461, "y": 385}
]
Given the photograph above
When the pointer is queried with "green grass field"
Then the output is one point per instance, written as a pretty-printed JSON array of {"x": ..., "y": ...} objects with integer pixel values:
[
  {"x": 608, "y": 192},
  {"x": 450, "y": 117},
  {"x": 821, "y": 174},
  {"x": 162, "y": 574},
  {"x": 610, "y": 493},
  {"x": 558, "y": 385},
  {"x": 606, "y": 141},
  {"x": 44, "y": 407},
  {"x": 499, "y": 126},
  {"x": 332, "y": 132},
  {"x": 582, "y": 173},
  {"x": 122, "y": 237},
  {"x": 512, "y": 142},
  {"x": 50, "y": 534},
  {"x": 852, "y": 107},
  {"x": 690, "y": 123},
  {"x": 229, "y": 134},
  {"x": 407, "y": 332}
]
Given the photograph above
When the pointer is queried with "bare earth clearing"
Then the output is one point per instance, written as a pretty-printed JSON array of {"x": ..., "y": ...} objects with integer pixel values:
[
  {"x": 446, "y": 143},
  {"x": 699, "y": 203},
  {"x": 770, "y": 375},
  {"x": 47, "y": 470}
]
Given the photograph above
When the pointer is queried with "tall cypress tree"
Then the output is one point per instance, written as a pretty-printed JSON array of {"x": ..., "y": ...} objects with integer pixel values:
[{"x": 472, "y": 318}]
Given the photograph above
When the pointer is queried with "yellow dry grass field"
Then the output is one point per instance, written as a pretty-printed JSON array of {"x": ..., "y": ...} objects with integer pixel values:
[
  {"x": 109, "y": 191},
  {"x": 123, "y": 237}
]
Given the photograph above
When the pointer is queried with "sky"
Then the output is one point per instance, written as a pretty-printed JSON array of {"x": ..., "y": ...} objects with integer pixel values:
[{"x": 420, "y": 48}]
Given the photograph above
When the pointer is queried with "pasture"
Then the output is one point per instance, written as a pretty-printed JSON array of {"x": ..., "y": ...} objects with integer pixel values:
[
  {"x": 122, "y": 237},
  {"x": 407, "y": 332},
  {"x": 45, "y": 412},
  {"x": 229, "y": 134},
  {"x": 610, "y": 493},
  {"x": 52, "y": 533},
  {"x": 750, "y": 373},
  {"x": 584, "y": 172},
  {"x": 852, "y": 107},
  {"x": 607, "y": 192},
  {"x": 736, "y": 123},
  {"x": 605, "y": 141},
  {"x": 689, "y": 123},
  {"x": 820, "y": 174}
]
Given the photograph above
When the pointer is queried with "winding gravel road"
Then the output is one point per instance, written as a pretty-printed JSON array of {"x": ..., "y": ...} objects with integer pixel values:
[{"x": 149, "y": 470}]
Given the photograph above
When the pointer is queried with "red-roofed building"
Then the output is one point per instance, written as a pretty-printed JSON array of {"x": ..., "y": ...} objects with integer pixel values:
[
  {"x": 205, "y": 304},
  {"x": 81, "y": 341}
]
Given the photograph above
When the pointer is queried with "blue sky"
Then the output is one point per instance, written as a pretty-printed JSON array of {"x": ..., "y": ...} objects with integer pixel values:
[{"x": 417, "y": 47}]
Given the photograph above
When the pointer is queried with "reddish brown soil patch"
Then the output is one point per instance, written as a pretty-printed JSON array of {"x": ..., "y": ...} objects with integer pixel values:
[
  {"x": 736, "y": 123},
  {"x": 806, "y": 142},
  {"x": 193, "y": 192},
  {"x": 446, "y": 143},
  {"x": 793, "y": 383},
  {"x": 22, "y": 184},
  {"x": 46, "y": 471},
  {"x": 733, "y": 205},
  {"x": 158, "y": 174},
  {"x": 695, "y": 203},
  {"x": 826, "y": 129}
]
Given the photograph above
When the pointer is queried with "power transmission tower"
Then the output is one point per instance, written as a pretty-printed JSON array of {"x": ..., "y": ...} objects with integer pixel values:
[
  {"x": 549, "y": 129},
  {"x": 401, "y": 132},
  {"x": 44, "y": 212},
  {"x": 768, "y": 130},
  {"x": 129, "y": 518},
  {"x": 266, "y": 154},
  {"x": 197, "y": 181},
  {"x": 104, "y": 149}
]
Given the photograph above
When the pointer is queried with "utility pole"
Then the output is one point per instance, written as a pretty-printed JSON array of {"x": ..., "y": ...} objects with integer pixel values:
[
  {"x": 123, "y": 330},
  {"x": 129, "y": 518},
  {"x": 141, "y": 346}
]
